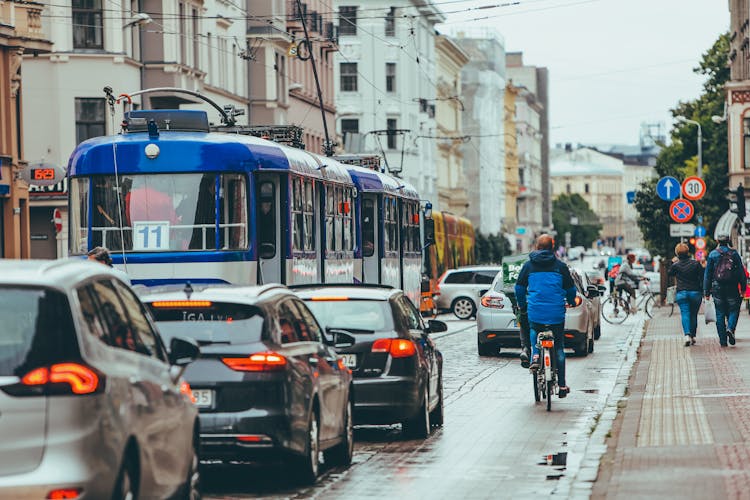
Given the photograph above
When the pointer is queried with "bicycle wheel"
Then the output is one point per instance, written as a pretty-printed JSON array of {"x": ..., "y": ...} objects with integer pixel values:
[
  {"x": 649, "y": 306},
  {"x": 550, "y": 388},
  {"x": 537, "y": 392},
  {"x": 614, "y": 311}
]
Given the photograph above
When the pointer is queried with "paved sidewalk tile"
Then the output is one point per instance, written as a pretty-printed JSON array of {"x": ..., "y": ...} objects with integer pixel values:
[{"x": 684, "y": 431}]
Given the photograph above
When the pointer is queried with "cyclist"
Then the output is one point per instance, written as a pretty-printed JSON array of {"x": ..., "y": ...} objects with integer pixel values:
[
  {"x": 628, "y": 280},
  {"x": 543, "y": 286}
]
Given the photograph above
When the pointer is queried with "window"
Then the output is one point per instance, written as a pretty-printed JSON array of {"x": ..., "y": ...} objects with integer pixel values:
[
  {"x": 266, "y": 210},
  {"x": 291, "y": 326},
  {"x": 459, "y": 278},
  {"x": 586, "y": 187},
  {"x": 390, "y": 77},
  {"x": 390, "y": 222},
  {"x": 390, "y": 22},
  {"x": 88, "y": 25},
  {"x": 349, "y": 126},
  {"x": 303, "y": 214},
  {"x": 139, "y": 323},
  {"x": 746, "y": 141},
  {"x": 368, "y": 228},
  {"x": 347, "y": 20},
  {"x": 348, "y": 77},
  {"x": 391, "y": 126},
  {"x": 88, "y": 309},
  {"x": 90, "y": 118},
  {"x": 409, "y": 316},
  {"x": 120, "y": 334},
  {"x": 297, "y": 213},
  {"x": 485, "y": 277},
  {"x": 567, "y": 188},
  {"x": 308, "y": 326}
]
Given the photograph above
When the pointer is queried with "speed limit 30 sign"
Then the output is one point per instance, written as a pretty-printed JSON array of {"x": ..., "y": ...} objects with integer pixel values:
[{"x": 693, "y": 188}]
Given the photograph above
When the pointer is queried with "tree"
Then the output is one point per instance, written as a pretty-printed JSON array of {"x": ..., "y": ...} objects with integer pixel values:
[
  {"x": 491, "y": 249},
  {"x": 679, "y": 159},
  {"x": 572, "y": 213}
]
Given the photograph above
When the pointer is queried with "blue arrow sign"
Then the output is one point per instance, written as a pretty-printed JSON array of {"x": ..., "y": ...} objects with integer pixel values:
[
  {"x": 668, "y": 188},
  {"x": 700, "y": 231}
]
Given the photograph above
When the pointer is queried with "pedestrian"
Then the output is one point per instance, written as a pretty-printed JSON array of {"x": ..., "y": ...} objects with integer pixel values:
[
  {"x": 543, "y": 287},
  {"x": 723, "y": 280},
  {"x": 101, "y": 255},
  {"x": 689, "y": 274}
]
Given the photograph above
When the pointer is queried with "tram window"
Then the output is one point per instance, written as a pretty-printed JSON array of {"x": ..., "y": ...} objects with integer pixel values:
[
  {"x": 196, "y": 211},
  {"x": 309, "y": 216},
  {"x": 339, "y": 219},
  {"x": 297, "y": 213},
  {"x": 406, "y": 225},
  {"x": 266, "y": 210},
  {"x": 368, "y": 228},
  {"x": 79, "y": 222},
  {"x": 234, "y": 215},
  {"x": 416, "y": 242},
  {"x": 330, "y": 214},
  {"x": 347, "y": 209}
]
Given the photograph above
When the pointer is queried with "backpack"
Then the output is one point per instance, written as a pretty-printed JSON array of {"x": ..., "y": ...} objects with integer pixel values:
[
  {"x": 614, "y": 271},
  {"x": 724, "y": 272}
]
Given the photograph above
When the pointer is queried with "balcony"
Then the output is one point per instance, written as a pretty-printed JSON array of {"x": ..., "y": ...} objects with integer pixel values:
[{"x": 23, "y": 22}]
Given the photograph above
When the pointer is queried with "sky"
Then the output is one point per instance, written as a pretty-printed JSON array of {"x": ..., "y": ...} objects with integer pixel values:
[{"x": 613, "y": 64}]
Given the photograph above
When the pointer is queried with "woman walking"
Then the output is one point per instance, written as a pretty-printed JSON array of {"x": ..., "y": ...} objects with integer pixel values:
[{"x": 689, "y": 273}]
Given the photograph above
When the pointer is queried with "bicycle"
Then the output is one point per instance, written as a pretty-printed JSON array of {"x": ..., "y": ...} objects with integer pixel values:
[
  {"x": 545, "y": 377},
  {"x": 616, "y": 308}
]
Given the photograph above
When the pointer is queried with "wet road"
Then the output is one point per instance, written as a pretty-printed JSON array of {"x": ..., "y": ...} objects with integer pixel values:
[{"x": 494, "y": 442}]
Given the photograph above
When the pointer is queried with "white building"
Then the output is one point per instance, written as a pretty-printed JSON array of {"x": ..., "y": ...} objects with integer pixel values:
[
  {"x": 385, "y": 80},
  {"x": 97, "y": 43},
  {"x": 483, "y": 91}
]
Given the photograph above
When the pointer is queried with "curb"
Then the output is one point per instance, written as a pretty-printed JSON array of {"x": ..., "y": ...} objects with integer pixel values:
[{"x": 591, "y": 447}]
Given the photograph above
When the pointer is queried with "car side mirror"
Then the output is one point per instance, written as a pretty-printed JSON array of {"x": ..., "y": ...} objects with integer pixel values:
[
  {"x": 342, "y": 338},
  {"x": 592, "y": 291},
  {"x": 183, "y": 351},
  {"x": 602, "y": 289},
  {"x": 429, "y": 232},
  {"x": 436, "y": 326}
]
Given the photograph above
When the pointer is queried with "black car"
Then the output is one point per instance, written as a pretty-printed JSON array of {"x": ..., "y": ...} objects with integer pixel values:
[
  {"x": 397, "y": 368},
  {"x": 268, "y": 384}
]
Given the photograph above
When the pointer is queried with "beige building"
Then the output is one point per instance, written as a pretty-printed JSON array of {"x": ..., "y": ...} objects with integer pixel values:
[
  {"x": 20, "y": 33},
  {"x": 598, "y": 178},
  {"x": 511, "y": 162},
  {"x": 450, "y": 176}
]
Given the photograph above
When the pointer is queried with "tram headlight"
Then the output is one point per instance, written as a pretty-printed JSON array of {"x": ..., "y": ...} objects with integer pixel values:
[{"x": 152, "y": 151}]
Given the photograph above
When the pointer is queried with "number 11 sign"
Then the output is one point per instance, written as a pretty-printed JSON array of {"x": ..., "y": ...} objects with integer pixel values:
[{"x": 150, "y": 236}]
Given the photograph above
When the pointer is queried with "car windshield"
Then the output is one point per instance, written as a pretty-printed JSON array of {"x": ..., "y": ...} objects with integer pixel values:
[
  {"x": 356, "y": 316},
  {"x": 212, "y": 323},
  {"x": 37, "y": 329}
]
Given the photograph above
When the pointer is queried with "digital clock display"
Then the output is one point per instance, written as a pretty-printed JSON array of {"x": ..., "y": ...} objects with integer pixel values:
[{"x": 43, "y": 174}]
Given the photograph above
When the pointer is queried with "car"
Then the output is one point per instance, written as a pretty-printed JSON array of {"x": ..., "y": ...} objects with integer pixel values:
[
  {"x": 459, "y": 290},
  {"x": 91, "y": 402},
  {"x": 594, "y": 280},
  {"x": 398, "y": 370},
  {"x": 575, "y": 253},
  {"x": 581, "y": 319},
  {"x": 268, "y": 385},
  {"x": 607, "y": 251},
  {"x": 497, "y": 325},
  {"x": 595, "y": 277}
]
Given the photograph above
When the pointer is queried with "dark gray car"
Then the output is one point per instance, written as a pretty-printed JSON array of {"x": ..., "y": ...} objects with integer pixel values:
[{"x": 91, "y": 404}]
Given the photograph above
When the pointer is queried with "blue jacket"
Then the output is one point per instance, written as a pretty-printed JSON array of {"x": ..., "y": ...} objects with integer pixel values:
[
  {"x": 543, "y": 286},
  {"x": 731, "y": 288}
]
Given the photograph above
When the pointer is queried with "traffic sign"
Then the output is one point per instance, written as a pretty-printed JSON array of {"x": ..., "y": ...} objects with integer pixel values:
[
  {"x": 57, "y": 219},
  {"x": 700, "y": 255},
  {"x": 668, "y": 188},
  {"x": 681, "y": 230},
  {"x": 681, "y": 210},
  {"x": 693, "y": 188},
  {"x": 630, "y": 195},
  {"x": 700, "y": 243},
  {"x": 700, "y": 231}
]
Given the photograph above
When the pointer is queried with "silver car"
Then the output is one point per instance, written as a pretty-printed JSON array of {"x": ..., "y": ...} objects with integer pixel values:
[
  {"x": 582, "y": 318},
  {"x": 497, "y": 326},
  {"x": 459, "y": 290},
  {"x": 91, "y": 404}
]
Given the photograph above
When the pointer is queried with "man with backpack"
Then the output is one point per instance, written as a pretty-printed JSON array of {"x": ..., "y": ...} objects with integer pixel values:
[{"x": 724, "y": 278}]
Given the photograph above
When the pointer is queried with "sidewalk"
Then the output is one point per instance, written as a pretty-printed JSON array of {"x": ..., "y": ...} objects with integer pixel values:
[{"x": 683, "y": 431}]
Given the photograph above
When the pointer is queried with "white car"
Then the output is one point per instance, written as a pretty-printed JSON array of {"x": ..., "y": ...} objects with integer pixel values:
[{"x": 497, "y": 326}]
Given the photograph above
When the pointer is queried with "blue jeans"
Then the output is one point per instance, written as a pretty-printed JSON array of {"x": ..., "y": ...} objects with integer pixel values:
[
  {"x": 559, "y": 332},
  {"x": 689, "y": 302},
  {"x": 727, "y": 314}
]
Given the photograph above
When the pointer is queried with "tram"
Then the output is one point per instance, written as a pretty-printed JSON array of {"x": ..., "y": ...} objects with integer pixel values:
[{"x": 175, "y": 200}]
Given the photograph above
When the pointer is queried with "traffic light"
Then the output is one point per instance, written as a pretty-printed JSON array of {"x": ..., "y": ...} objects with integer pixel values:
[{"x": 692, "y": 241}]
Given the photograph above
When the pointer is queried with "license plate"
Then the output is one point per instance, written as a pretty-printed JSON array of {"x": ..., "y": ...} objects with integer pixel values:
[
  {"x": 350, "y": 360},
  {"x": 204, "y": 398}
]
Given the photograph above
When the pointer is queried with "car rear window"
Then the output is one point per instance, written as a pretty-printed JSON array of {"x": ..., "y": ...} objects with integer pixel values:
[
  {"x": 211, "y": 323},
  {"x": 459, "y": 278},
  {"x": 485, "y": 277},
  {"x": 37, "y": 329},
  {"x": 356, "y": 316}
]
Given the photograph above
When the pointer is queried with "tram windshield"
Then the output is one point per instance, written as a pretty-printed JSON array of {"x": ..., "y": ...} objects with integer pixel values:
[{"x": 160, "y": 212}]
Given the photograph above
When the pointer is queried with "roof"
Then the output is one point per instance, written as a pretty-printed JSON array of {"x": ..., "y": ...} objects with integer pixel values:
[
  {"x": 477, "y": 268},
  {"x": 356, "y": 292},
  {"x": 250, "y": 295},
  {"x": 60, "y": 274},
  {"x": 584, "y": 161},
  {"x": 368, "y": 180}
]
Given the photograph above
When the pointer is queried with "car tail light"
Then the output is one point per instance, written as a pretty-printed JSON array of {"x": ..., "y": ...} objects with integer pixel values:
[
  {"x": 79, "y": 378},
  {"x": 187, "y": 392},
  {"x": 180, "y": 304},
  {"x": 493, "y": 301},
  {"x": 577, "y": 302},
  {"x": 253, "y": 438},
  {"x": 64, "y": 493},
  {"x": 258, "y": 362},
  {"x": 397, "y": 348}
]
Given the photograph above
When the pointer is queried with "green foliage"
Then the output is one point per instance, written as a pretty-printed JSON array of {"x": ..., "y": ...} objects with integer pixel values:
[
  {"x": 491, "y": 249},
  {"x": 679, "y": 159},
  {"x": 587, "y": 227}
]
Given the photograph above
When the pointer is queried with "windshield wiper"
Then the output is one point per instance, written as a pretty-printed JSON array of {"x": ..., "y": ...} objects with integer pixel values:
[{"x": 349, "y": 330}]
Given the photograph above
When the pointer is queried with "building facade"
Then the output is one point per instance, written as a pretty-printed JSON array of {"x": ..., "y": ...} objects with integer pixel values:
[
  {"x": 483, "y": 89},
  {"x": 196, "y": 46},
  {"x": 450, "y": 175},
  {"x": 598, "y": 178},
  {"x": 510, "y": 140},
  {"x": 21, "y": 32},
  {"x": 282, "y": 81},
  {"x": 385, "y": 85}
]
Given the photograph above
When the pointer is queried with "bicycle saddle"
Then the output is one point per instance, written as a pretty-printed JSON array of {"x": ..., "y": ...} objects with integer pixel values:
[{"x": 546, "y": 335}]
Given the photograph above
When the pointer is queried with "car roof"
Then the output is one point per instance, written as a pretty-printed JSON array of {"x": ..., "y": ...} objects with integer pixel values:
[
  {"x": 61, "y": 274},
  {"x": 476, "y": 268},
  {"x": 359, "y": 292},
  {"x": 238, "y": 294}
]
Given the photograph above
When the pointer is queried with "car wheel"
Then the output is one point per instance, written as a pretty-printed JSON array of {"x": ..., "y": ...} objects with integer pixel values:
[
  {"x": 582, "y": 349},
  {"x": 126, "y": 487},
  {"x": 342, "y": 453},
  {"x": 486, "y": 349},
  {"x": 597, "y": 332},
  {"x": 308, "y": 464},
  {"x": 463, "y": 308},
  {"x": 591, "y": 346},
  {"x": 192, "y": 484},
  {"x": 436, "y": 415},
  {"x": 419, "y": 425}
]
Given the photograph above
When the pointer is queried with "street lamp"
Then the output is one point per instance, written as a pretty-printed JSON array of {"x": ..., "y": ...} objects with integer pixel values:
[{"x": 700, "y": 142}]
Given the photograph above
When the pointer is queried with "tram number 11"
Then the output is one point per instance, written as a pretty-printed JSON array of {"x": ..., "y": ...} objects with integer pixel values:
[{"x": 150, "y": 235}]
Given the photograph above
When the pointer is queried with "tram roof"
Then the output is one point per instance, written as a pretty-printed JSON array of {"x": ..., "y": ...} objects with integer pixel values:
[
  {"x": 199, "y": 152},
  {"x": 368, "y": 180}
]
